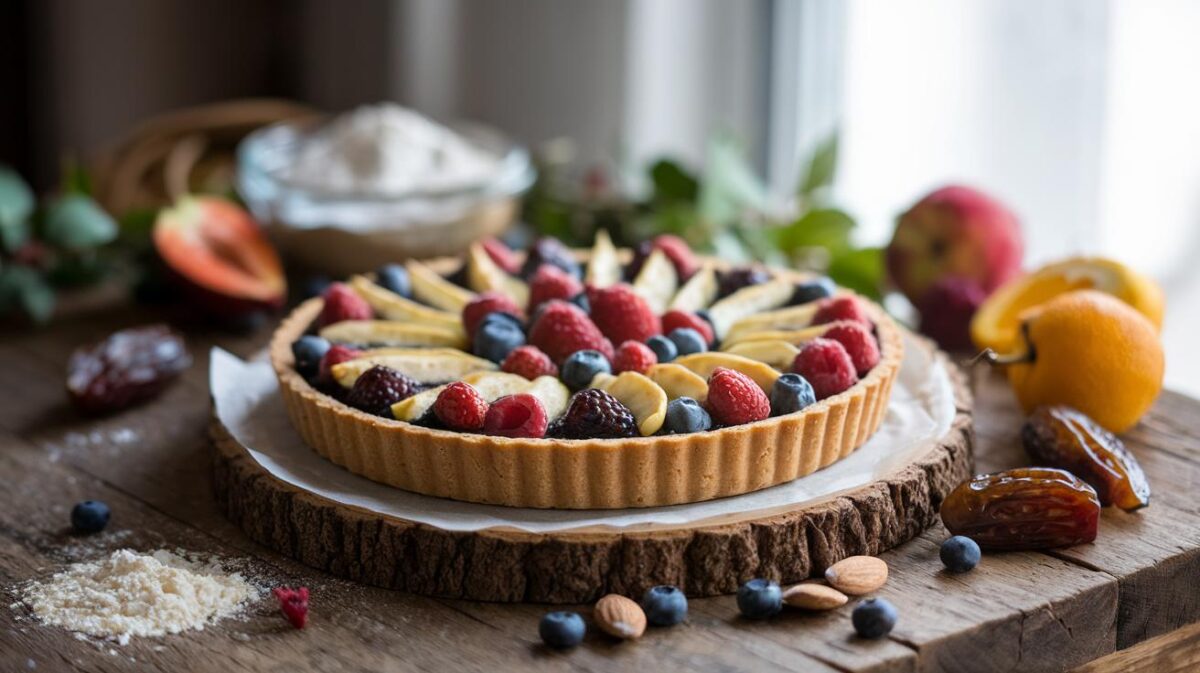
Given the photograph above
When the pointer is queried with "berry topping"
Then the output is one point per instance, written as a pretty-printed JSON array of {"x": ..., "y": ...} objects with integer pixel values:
[
  {"x": 395, "y": 278},
  {"x": 633, "y": 356},
  {"x": 293, "y": 603},
  {"x": 501, "y": 254},
  {"x": 460, "y": 407},
  {"x": 497, "y": 336},
  {"x": 520, "y": 415},
  {"x": 812, "y": 290},
  {"x": 685, "y": 415},
  {"x": 581, "y": 367},
  {"x": 378, "y": 388},
  {"x": 623, "y": 315},
  {"x": 840, "y": 308},
  {"x": 960, "y": 554},
  {"x": 734, "y": 398},
  {"x": 562, "y": 630},
  {"x": 736, "y": 279},
  {"x": 548, "y": 250},
  {"x": 759, "y": 599},
  {"x": 827, "y": 366},
  {"x": 487, "y": 303},
  {"x": 336, "y": 355},
  {"x": 89, "y": 516},
  {"x": 308, "y": 351},
  {"x": 874, "y": 618},
  {"x": 664, "y": 349},
  {"x": 343, "y": 303},
  {"x": 858, "y": 342},
  {"x": 673, "y": 320},
  {"x": 314, "y": 286},
  {"x": 665, "y": 605},
  {"x": 562, "y": 329},
  {"x": 791, "y": 393},
  {"x": 594, "y": 413},
  {"x": 687, "y": 341},
  {"x": 530, "y": 362},
  {"x": 676, "y": 249},
  {"x": 551, "y": 282}
]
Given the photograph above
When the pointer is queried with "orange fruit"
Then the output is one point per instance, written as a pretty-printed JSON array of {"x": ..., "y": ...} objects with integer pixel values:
[
  {"x": 996, "y": 322},
  {"x": 1088, "y": 350}
]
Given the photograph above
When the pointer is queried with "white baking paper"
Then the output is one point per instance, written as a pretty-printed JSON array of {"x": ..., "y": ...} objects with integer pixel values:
[{"x": 246, "y": 396}]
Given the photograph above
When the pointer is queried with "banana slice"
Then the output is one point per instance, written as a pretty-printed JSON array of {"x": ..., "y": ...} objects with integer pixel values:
[
  {"x": 704, "y": 364},
  {"x": 791, "y": 318},
  {"x": 644, "y": 397},
  {"x": 604, "y": 268},
  {"x": 552, "y": 393},
  {"x": 679, "y": 381},
  {"x": 415, "y": 407},
  {"x": 483, "y": 275},
  {"x": 425, "y": 365},
  {"x": 491, "y": 385},
  {"x": 749, "y": 301},
  {"x": 602, "y": 380},
  {"x": 394, "y": 307},
  {"x": 434, "y": 290},
  {"x": 656, "y": 281},
  {"x": 775, "y": 352},
  {"x": 393, "y": 333},
  {"x": 698, "y": 292}
]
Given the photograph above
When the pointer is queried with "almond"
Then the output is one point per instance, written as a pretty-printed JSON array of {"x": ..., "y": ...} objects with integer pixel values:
[
  {"x": 618, "y": 616},
  {"x": 812, "y": 596},
  {"x": 857, "y": 575}
]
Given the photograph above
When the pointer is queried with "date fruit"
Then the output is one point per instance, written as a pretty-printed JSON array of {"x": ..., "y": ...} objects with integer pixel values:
[
  {"x": 1060, "y": 436},
  {"x": 128, "y": 367},
  {"x": 1025, "y": 508}
]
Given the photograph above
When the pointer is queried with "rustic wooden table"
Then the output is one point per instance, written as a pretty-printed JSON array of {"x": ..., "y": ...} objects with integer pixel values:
[{"x": 1127, "y": 603}]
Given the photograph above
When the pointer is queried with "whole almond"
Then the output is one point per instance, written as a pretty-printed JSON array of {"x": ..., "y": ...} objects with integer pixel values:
[
  {"x": 618, "y": 616},
  {"x": 857, "y": 575},
  {"x": 812, "y": 596}
]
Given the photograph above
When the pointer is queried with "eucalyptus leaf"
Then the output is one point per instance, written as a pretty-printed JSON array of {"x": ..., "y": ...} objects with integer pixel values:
[
  {"x": 827, "y": 228},
  {"x": 673, "y": 183},
  {"x": 16, "y": 206},
  {"x": 22, "y": 287},
  {"x": 860, "y": 270},
  {"x": 76, "y": 222},
  {"x": 821, "y": 168}
]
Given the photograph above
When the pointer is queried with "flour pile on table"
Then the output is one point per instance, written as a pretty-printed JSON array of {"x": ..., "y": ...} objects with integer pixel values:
[{"x": 133, "y": 594}]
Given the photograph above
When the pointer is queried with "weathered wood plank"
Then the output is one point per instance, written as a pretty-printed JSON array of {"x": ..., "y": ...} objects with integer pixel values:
[{"x": 1175, "y": 652}]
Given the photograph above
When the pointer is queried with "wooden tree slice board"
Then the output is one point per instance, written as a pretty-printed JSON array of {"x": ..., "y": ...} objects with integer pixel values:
[{"x": 579, "y": 566}]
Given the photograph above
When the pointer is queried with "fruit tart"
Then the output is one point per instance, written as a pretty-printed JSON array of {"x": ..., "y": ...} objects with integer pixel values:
[{"x": 605, "y": 378}]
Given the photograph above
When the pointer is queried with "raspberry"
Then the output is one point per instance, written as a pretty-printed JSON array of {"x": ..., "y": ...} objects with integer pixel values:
[
  {"x": 633, "y": 356},
  {"x": 594, "y": 413},
  {"x": 562, "y": 329},
  {"x": 673, "y": 320},
  {"x": 501, "y": 254},
  {"x": 623, "y": 315},
  {"x": 520, "y": 415},
  {"x": 734, "y": 398},
  {"x": 460, "y": 407},
  {"x": 487, "y": 302},
  {"x": 676, "y": 250},
  {"x": 336, "y": 355},
  {"x": 293, "y": 603},
  {"x": 859, "y": 344},
  {"x": 530, "y": 362},
  {"x": 827, "y": 366},
  {"x": 551, "y": 282},
  {"x": 840, "y": 308},
  {"x": 343, "y": 303},
  {"x": 378, "y": 388}
]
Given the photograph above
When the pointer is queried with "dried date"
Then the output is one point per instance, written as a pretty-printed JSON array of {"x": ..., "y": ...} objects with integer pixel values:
[
  {"x": 128, "y": 367},
  {"x": 1026, "y": 508}
]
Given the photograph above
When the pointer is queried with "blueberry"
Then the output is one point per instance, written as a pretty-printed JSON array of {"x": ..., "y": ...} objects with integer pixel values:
[
  {"x": 874, "y": 618},
  {"x": 395, "y": 278},
  {"x": 581, "y": 367},
  {"x": 818, "y": 288},
  {"x": 501, "y": 316},
  {"x": 687, "y": 341},
  {"x": 791, "y": 393},
  {"x": 685, "y": 415},
  {"x": 308, "y": 351},
  {"x": 496, "y": 337},
  {"x": 663, "y": 348},
  {"x": 89, "y": 516},
  {"x": 562, "y": 630},
  {"x": 314, "y": 286},
  {"x": 706, "y": 317},
  {"x": 665, "y": 605},
  {"x": 582, "y": 302},
  {"x": 960, "y": 554},
  {"x": 760, "y": 599}
]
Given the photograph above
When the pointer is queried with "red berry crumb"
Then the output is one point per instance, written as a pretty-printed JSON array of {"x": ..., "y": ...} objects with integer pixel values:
[
  {"x": 676, "y": 319},
  {"x": 294, "y": 604},
  {"x": 343, "y": 303},
  {"x": 859, "y": 344},
  {"x": 551, "y": 282},
  {"x": 484, "y": 303},
  {"x": 501, "y": 254},
  {"x": 623, "y": 315},
  {"x": 827, "y": 366},
  {"x": 562, "y": 328},
  {"x": 530, "y": 362},
  {"x": 734, "y": 398},
  {"x": 460, "y": 407},
  {"x": 840, "y": 308},
  {"x": 336, "y": 355},
  {"x": 520, "y": 415},
  {"x": 633, "y": 356}
]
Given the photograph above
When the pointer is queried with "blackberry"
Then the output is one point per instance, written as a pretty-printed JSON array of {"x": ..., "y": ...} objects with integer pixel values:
[
  {"x": 743, "y": 276},
  {"x": 378, "y": 388},
  {"x": 594, "y": 414},
  {"x": 547, "y": 250}
]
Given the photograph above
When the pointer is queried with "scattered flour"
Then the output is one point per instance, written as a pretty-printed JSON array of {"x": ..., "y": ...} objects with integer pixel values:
[{"x": 132, "y": 594}]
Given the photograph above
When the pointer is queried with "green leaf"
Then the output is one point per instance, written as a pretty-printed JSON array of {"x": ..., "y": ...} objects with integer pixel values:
[
  {"x": 673, "y": 183},
  {"x": 22, "y": 287},
  {"x": 76, "y": 222},
  {"x": 16, "y": 205},
  {"x": 75, "y": 178},
  {"x": 821, "y": 168},
  {"x": 860, "y": 270},
  {"x": 730, "y": 186},
  {"x": 827, "y": 228},
  {"x": 136, "y": 227}
]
